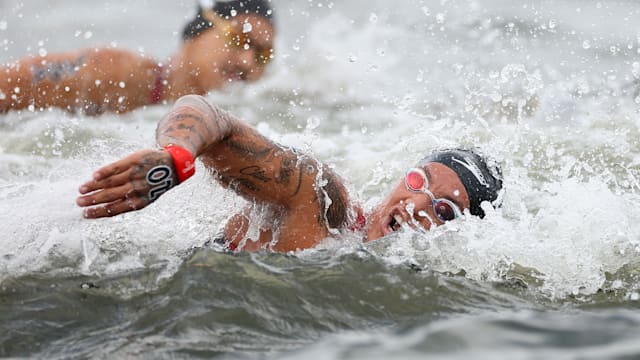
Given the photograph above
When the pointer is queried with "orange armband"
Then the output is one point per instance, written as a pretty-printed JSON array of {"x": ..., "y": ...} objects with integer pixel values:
[{"x": 182, "y": 160}]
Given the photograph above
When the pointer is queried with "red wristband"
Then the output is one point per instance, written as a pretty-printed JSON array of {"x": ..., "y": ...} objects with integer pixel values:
[{"x": 182, "y": 160}]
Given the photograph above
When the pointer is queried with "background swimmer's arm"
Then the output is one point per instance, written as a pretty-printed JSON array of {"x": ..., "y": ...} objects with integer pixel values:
[
  {"x": 40, "y": 82},
  {"x": 92, "y": 81}
]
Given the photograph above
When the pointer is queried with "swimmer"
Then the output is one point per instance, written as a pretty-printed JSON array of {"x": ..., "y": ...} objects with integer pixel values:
[
  {"x": 232, "y": 41},
  {"x": 307, "y": 200}
]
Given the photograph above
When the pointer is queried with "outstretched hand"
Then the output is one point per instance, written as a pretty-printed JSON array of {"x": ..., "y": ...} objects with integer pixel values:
[{"x": 128, "y": 184}]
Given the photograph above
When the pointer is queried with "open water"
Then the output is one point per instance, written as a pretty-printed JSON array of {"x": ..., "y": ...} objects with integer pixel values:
[{"x": 551, "y": 89}]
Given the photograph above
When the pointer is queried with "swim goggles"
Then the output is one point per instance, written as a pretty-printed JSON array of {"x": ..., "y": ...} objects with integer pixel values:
[
  {"x": 238, "y": 40},
  {"x": 445, "y": 210}
]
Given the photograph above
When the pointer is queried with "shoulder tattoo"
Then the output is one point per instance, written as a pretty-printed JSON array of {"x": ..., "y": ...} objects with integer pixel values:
[{"x": 55, "y": 71}]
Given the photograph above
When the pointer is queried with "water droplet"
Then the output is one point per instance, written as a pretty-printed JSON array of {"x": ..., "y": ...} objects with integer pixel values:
[
  {"x": 246, "y": 27},
  {"x": 42, "y": 52},
  {"x": 635, "y": 69},
  {"x": 234, "y": 12},
  {"x": 88, "y": 35},
  {"x": 552, "y": 24},
  {"x": 312, "y": 123},
  {"x": 586, "y": 44},
  {"x": 67, "y": 89},
  {"x": 98, "y": 82},
  {"x": 16, "y": 90},
  {"x": 3, "y": 25},
  {"x": 373, "y": 18},
  {"x": 121, "y": 84}
]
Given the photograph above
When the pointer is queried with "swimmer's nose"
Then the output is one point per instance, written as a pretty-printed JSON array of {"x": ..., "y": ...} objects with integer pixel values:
[{"x": 420, "y": 206}]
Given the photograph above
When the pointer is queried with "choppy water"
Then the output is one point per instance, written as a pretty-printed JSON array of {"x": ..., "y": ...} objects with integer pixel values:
[{"x": 549, "y": 88}]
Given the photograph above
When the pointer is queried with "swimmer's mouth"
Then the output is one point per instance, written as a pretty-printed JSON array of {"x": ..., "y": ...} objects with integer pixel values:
[{"x": 394, "y": 224}]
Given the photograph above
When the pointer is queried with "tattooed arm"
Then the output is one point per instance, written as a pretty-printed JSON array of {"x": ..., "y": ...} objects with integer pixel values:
[
  {"x": 309, "y": 194},
  {"x": 92, "y": 81}
]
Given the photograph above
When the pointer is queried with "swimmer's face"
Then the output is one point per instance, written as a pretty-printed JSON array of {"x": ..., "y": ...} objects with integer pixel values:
[
  {"x": 238, "y": 49},
  {"x": 410, "y": 207}
]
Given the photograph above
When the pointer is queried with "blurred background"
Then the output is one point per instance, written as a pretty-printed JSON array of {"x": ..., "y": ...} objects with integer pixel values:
[{"x": 549, "y": 89}]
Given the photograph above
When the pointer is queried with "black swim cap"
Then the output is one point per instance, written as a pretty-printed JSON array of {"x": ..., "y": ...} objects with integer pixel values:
[
  {"x": 226, "y": 10},
  {"x": 231, "y": 8},
  {"x": 482, "y": 181}
]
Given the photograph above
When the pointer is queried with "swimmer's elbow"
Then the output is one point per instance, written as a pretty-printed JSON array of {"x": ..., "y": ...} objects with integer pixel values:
[
  {"x": 219, "y": 121},
  {"x": 198, "y": 102}
]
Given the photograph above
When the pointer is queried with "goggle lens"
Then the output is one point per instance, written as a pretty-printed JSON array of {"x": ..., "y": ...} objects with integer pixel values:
[
  {"x": 444, "y": 211},
  {"x": 415, "y": 180}
]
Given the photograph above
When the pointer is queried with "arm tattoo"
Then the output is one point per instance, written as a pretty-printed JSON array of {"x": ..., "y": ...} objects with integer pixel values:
[
  {"x": 255, "y": 172},
  {"x": 333, "y": 201},
  {"x": 55, "y": 71},
  {"x": 197, "y": 118},
  {"x": 237, "y": 184},
  {"x": 248, "y": 150},
  {"x": 286, "y": 170}
]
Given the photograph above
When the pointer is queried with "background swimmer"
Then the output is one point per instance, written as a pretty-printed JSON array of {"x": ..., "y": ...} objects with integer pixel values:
[{"x": 233, "y": 41}]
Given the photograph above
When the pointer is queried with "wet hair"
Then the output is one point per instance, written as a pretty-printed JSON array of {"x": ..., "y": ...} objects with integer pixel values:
[
  {"x": 226, "y": 9},
  {"x": 481, "y": 177}
]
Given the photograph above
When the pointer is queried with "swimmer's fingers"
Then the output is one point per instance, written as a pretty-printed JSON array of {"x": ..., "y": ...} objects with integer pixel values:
[
  {"x": 129, "y": 190},
  {"x": 112, "y": 175},
  {"x": 106, "y": 183},
  {"x": 128, "y": 184},
  {"x": 114, "y": 208},
  {"x": 122, "y": 165}
]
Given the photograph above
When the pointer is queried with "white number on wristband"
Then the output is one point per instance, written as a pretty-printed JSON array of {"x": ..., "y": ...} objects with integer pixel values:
[{"x": 161, "y": 180}]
